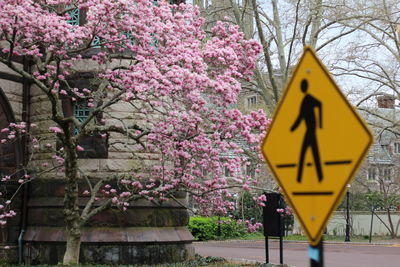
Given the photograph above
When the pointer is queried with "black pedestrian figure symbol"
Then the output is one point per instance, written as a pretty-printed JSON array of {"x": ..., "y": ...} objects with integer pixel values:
[{"x": 310, "y": 140}]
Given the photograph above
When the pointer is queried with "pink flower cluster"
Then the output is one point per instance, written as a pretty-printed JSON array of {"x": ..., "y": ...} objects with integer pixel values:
[
  {"x": 6, "y": 213},
  {"x": 287, "y": 211},
  {"x": 251, "y": 227}
]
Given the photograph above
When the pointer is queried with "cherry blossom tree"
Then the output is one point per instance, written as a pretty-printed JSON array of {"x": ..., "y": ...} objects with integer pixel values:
[{"x": 180, "y": 84}]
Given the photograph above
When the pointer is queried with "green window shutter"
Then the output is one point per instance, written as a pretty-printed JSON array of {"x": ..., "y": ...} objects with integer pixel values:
[
  {"x": 96, "y": 42},
  {"x": 81, "y": 112},
  {"x": 130, "y": 37},
  {"x": 154, "y": 43},
  {"x": 74, "y": 17},
  {"x": 94, "y": 146}
]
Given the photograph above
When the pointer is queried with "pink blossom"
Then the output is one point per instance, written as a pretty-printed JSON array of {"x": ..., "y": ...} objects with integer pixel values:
[
  {"x": 55, "y": 129},
  {"x": 79, "y": 148}
]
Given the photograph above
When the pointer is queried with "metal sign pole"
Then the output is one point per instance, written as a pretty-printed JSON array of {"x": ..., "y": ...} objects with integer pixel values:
[
  {"x": 266, "y": 250},
  {"x": 316, "y": 254},
  {"x": 321, "y": 252},
  {"x": 280, "y": 235},
  {"x": 281, "y": 250},
  {"x": 372, "y": 221}
]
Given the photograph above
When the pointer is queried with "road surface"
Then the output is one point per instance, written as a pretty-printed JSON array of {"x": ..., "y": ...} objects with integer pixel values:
[{"x": 296, "y": 253}]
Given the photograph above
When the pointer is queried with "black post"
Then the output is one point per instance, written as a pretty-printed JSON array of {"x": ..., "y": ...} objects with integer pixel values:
[
  {"x": 219, "y": 227},
  {"x": 321, "y": 252},
  {"x": 372, "y": 221},
  {"x": 266, "y": 250},
  {"x": 347, "y": 238},
  {"x": 317, "y": 259},
  {"x": 280, "y": 234},
  {"x": 280, "y": 250},
  {"x": 272, "y": 221}
]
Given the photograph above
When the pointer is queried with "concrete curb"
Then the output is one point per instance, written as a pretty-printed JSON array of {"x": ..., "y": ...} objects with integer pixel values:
[{"x": 246, "y": 261}]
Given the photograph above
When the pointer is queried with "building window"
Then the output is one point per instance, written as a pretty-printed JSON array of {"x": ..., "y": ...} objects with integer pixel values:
[
  {"x": 74, "y": 17},
  {"x": 397, "y": 148},
  {"x": 387, "y": 174},
  {"x": 250, "y": 170},
  {"x": 371, "y": 173},
  {"x": 227, "y": 172},
  {"x": 81, "y": 112},
  {"x": 95, "y": 146},
  {"x": 251, "y": 101}
]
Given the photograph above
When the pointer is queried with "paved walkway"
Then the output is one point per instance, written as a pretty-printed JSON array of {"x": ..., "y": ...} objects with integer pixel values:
[{"x": 336, "y": 254}]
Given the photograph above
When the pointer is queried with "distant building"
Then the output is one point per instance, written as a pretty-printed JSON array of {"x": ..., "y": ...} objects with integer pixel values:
[{"x": 381, "y": 167}]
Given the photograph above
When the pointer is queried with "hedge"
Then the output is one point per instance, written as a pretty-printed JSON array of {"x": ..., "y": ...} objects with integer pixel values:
[{"x": 206, "y": 228}]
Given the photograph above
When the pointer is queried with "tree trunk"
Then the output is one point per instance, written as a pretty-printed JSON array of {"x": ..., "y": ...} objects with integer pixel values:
[
  {"x": 315, "y": 23},
  {"x": 392, "y": 230},
  {"x": 71, "y": 256},
  {"x": 71, "y": 207}
]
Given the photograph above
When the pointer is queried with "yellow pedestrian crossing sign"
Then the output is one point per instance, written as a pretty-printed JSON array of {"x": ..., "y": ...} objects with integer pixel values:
[{"x": 315, "y": 144}]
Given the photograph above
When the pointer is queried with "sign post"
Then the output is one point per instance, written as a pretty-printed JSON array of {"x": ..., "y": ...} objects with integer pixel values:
[
  {"x": 314, "y": 145},
  {"x": 273, "y": 222}
]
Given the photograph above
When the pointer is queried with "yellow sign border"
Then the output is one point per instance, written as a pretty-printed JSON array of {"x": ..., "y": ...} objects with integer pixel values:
[{"x": 315, "y": 241}]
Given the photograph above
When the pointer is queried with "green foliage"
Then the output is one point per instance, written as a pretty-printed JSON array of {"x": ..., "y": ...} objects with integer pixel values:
[
  {"x": 365, "y": 201},
  {"x": 358, "y": 201},
  {"x": 210, "y": 228},
  {"x": 248, "y": 208},
  {"x": 202, "y": 228}
]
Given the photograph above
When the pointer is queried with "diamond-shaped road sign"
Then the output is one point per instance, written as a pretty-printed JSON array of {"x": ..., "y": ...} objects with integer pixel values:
[{"x": 315, "y": 144}]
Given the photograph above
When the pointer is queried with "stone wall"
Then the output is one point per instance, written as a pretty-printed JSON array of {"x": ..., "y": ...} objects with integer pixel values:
[
  {"x": 144, "y": 233},
  {"x": 12, "y": 90},
  {"x": 360, "y": 223}
]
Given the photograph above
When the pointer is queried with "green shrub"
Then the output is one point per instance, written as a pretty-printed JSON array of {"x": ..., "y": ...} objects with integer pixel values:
[
  {"x": 206, "y": 228},
  {"x": 202, "y": 228}
]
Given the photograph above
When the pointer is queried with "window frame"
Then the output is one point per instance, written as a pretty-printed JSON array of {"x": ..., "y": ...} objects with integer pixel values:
[
  {"x": 94, "y": 146},
  {"x": 396, "y": 147},
  {"x": 372, "y": 174},
  {"x": 251, "y": 101}
]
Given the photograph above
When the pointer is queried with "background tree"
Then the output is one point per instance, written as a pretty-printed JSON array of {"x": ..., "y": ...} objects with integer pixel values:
[
  {"x": 154, "y": 59},
  {"x": 357, "y": 41},
  {"x": 283, "y": 28},
  {"x": 372, "y": 62}
]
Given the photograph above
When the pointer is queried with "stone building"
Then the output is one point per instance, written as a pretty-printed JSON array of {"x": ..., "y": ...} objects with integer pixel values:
[
  {"x": 145, "y": 233},
  {"x": 381, "y": 169}
]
